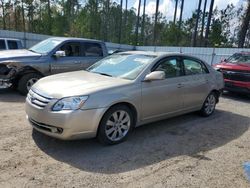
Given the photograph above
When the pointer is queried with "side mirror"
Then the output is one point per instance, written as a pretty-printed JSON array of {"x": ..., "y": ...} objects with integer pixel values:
[
  {"x": 156, "y": 75},
  {"x": 223, "y": 60},
  {"x": 59, "y": 54}
]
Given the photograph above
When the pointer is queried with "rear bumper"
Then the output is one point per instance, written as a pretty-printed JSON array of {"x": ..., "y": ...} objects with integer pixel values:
[{"x": 237, "y": 86}]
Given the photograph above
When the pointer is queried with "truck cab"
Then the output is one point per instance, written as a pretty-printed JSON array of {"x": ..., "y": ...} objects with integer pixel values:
[
  {"x": 22, "y": 68},
  {"x": 10, "y": 44}
]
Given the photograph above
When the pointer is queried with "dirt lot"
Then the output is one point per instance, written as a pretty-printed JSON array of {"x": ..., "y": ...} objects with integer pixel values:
[{"x": 187, "y": 151}]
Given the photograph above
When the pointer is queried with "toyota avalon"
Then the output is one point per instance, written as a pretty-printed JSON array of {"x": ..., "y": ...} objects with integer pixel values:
[{"x": 120, "y": 92}]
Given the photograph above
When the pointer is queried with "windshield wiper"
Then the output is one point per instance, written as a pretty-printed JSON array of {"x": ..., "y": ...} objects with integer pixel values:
[
  {"x": 102, "y": 73},
  {"x": 33, "y": 51}
]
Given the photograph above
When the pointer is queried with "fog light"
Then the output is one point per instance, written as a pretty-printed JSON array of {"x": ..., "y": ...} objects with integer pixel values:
[{"x": 59, "y": 130}]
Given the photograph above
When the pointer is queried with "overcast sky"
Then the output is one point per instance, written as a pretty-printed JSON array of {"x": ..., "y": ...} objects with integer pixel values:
[{"x": 167, "y": 6}]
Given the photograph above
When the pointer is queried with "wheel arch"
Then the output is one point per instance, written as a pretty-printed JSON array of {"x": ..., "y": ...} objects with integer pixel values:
[
  {"x": 128, "y": 104},
  {"x": 26, "y": 70},
  {"x": 217, "y": 94}
]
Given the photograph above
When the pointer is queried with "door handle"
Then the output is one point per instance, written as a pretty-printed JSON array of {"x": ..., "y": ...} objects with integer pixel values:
[
  {"x": 180, "y": 85},
  {"x": 77, "y": 62}
]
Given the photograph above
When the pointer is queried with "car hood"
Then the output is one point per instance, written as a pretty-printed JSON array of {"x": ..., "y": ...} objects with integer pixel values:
[
  {"x": 233, "y": 66},
  {"x": 17, "y": 54},
  {"x": 75, "y": 84}
]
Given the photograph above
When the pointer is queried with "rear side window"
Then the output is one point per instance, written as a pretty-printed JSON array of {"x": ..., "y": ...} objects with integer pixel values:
[
  {"x": 2, "y": 45},
  {"x": 193, "y": 67},
  {"x": 12, "y": 44},
  {"x": 92, "y": 50}
]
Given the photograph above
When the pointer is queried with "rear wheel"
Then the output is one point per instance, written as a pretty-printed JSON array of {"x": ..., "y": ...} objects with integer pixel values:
[
  {"x": 115, "y": 125},
  {"x": 209, "y": 105},
  {"x": 26, "y": 82}
]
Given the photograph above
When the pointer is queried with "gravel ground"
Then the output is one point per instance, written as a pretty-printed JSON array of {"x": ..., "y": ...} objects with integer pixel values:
[{"x": 186, "y": 151}]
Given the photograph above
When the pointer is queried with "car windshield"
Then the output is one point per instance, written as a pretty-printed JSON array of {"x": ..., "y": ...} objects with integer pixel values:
[
  {"x": 45, "y": 46},
  {"x": 239, "y": 58},
  {"x": 127, "y": 66}
]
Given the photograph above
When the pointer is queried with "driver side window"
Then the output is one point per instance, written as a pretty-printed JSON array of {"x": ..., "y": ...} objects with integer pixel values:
[
  {"x": 71, "y": 49},
  {"x": 171, "y": 67}
]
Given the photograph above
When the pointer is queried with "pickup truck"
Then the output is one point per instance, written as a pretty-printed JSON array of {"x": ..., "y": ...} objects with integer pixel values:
[
  {"x": 20, "y": 69},
  {"x": 236, "y": 72},
  {"x": 10, "y": 44}
]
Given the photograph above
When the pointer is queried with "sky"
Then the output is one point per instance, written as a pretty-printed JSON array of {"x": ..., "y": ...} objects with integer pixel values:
[{"x": 167, "y": 6}]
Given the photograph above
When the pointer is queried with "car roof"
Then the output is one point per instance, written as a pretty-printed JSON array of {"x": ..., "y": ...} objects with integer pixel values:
[
  {"x": 73, "y": 38},
  {"x": 143, "y": 53},
  {"x": 243, "y": 52},
  {"x": 160, "y": 54}
]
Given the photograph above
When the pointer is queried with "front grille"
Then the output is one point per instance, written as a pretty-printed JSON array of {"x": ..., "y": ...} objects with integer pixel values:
[
  {"x": 236, "y": 75},
  {"x": 37, "y": 99}
]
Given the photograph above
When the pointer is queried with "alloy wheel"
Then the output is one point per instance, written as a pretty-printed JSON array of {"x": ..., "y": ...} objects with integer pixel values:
[
  {"x": 117, "y": 125},
  {"x": 210, "y": 104}
]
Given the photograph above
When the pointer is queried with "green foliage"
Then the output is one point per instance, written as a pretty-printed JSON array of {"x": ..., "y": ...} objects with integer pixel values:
[{"x": 100, "y": 19}]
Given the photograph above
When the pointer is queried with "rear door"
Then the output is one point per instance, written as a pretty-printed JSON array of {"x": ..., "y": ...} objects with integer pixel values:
[
  {"x": 92, "y": 52},
  {"x": 196, "y": 83},
  {"x": 12, "y": 44}
]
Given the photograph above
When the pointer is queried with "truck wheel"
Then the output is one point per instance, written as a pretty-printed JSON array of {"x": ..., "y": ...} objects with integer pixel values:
[{"x": 26, "y": 82}]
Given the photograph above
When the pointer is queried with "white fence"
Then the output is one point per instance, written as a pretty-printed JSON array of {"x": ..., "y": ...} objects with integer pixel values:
[
  {"x": 30, "y": 39},
  {"x": 210, "y": 55}
]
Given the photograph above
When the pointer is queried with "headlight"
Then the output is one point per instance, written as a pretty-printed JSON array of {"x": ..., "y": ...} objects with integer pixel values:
[{"x": 69, "y": 103}]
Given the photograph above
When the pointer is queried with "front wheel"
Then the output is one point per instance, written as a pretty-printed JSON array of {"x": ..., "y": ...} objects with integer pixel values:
[
  {"x": 115, "y": 125},
  {"x": 26, "y": 82},
  {"x": 209, "y": 105}
]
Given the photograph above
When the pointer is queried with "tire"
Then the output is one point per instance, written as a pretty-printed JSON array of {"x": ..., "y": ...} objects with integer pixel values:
[
  {"x": 26, "y": 81},
  {"x": 209, "y": 105},
  {"x": 114, "y": 128}
]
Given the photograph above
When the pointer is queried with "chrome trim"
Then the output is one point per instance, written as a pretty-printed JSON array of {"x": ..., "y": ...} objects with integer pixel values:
[{"x": 37, "y": 99}]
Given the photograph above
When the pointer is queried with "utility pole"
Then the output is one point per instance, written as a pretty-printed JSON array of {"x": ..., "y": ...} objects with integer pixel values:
[
  {"x": 120, "y": 28},
  {"x": 137, "y": 23},
  {"x": 175, "y": 10},
  {"x": 203, "y": 21},
  {"x": 196, "y": 25},
  {"x": 156, "y": 19},
  {"x": 180, "y": 21},
  {"x": 209, "y": 21},
  {"x": 143, "y": 22}
]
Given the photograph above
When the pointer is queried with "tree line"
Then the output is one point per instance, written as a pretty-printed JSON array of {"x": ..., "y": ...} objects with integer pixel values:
[{"x": 114, "y": 22}]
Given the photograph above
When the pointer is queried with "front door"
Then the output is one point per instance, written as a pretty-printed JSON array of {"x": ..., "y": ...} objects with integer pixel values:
[
  {"x": 162, "y": 97},
  {"x": 72, "y": 61}
]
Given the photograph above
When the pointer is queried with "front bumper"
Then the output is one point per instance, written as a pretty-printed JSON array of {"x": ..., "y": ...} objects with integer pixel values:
[
  {"x": 65, "y": 125},
  {"x": 237, "y": 86},
  {"x": 4, "y": 83},
  {"x": 6, "y": 77}
]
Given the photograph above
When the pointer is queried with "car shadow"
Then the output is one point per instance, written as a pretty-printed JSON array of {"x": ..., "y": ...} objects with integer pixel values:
[
  {"x": 10, "y": 95},
  {"x": 185, "y": 135},
  {"x": 237, "y": 96}
]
